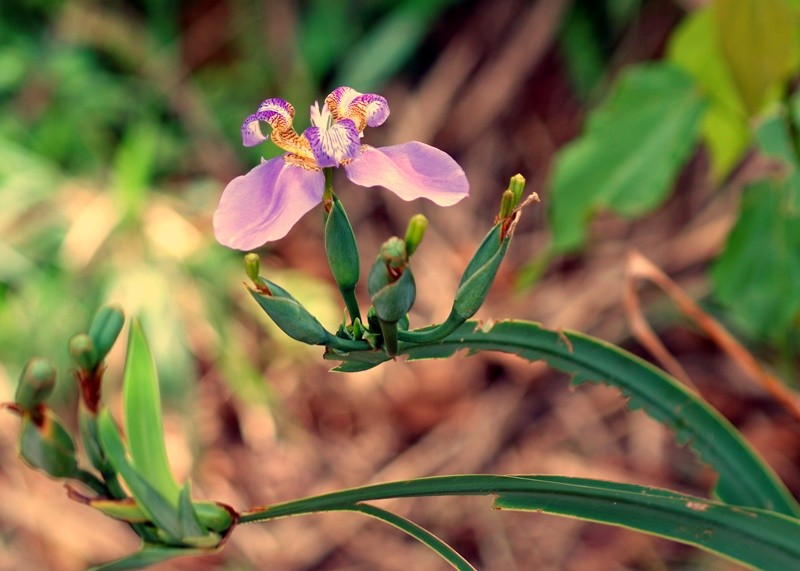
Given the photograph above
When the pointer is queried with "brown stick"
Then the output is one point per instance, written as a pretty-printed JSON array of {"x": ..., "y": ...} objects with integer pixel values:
[{"x": 639, "y": 267}]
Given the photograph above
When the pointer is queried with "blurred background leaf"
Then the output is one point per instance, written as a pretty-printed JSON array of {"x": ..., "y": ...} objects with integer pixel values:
[{"x": 630, "y": 153}]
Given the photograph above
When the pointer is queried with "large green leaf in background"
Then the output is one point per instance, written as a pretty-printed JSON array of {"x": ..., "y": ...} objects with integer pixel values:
[
  {"x": 759, "y": 41},
  {"x": 694, "y": 47},
  {"x": 758, "y": 274},
  {"x": 632, "y": 149}
]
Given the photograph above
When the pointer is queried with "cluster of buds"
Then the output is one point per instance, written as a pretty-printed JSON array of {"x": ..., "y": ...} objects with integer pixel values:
[
  {"x": 169, "y": 522},
  {"x": 390, "y": 285}
]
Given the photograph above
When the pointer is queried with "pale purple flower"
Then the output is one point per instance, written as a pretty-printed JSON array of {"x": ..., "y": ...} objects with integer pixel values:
[{"x": 264, "y": 204}]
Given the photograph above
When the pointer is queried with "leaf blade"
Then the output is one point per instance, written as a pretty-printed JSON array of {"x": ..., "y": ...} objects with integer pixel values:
[
  {"x": 153, "y": 503},
  {"x": 756, "y": 537},
  {"x": 143, "y": 418},
  {"x": 419, "y": 533},
  {"x": 744, "y": 478}
]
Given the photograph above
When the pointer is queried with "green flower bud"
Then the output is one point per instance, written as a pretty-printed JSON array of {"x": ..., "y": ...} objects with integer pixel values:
[
  {"x": 507, "y": 205},
  {"x": 83, "y": 352},
  {"x": 105, "y": 328},
  {"x": 341, "y": 248},
  {"x": 288, "y": 314},
  {"x": 415, "y": 232},
  {"x": 393, "y": 253},
  {"x": 252, "y": 266},
  {"x": 480, "y": 274},
  {"x": 44, "y": 444},
  {"x": 213, "y": 516},
  {"x": 392, "y": 298},
  {"x": 517, "y": 186},
  {"x": 35, "y": 384}
]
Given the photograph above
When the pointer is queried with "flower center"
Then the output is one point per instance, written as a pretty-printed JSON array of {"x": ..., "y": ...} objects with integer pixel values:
[{"x": 332, "y": 142}]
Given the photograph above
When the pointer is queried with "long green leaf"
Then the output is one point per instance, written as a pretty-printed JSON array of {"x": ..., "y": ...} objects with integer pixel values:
[
  {"x": 755, "y": 537},
  {"x": 153, "y": 503},
  {"x": 423, "y": 535},
  {"x": 143, "y": 422},
  {"x": 744, "y": 478}
]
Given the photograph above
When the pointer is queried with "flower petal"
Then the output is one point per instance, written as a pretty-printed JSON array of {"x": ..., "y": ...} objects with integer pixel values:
[
  {"x": 411, "y": 170},
  {"x": 333, "y": 144},
  {"x": 264, "y": 204},
  {"x": 277, "y": 112},
  {"x": 365, "y": 109}
]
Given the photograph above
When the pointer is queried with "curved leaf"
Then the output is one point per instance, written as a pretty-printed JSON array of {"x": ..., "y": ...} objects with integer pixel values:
[
  {"x": 755, "y": 537},
  {"x": 423, "y": 535},
  {"x": 153, "y": 503},
  {"x": 743, "y": 477}
]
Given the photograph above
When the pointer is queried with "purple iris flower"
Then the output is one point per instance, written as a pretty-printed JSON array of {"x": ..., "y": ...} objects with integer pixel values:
[{"x": 264, "y": 204}]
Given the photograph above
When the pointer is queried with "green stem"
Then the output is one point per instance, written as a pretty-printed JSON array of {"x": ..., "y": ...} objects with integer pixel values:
[
  {"x": 327, "y": 195},
  {"x": 431, "y": 334},
  {"x": 347, "y": 499},
  {"x": 349, "y": 296},
  {"x": 346, "y": 345},
  {"x": 389, "y": 332},
  {"x": 91, "y": 481}
]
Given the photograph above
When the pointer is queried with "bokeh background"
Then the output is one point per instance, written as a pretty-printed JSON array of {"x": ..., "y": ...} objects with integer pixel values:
[{"x": 119, "y": 127}]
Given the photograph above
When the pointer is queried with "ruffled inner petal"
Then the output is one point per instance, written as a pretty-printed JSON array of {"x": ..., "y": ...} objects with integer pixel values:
[
  {"x": 278, "y": 113},
  {"x": 333, "y": 144},
  {"x": 364, "y": 109},
  {"x": 264, "y": 204},
  {"x": 411, "y": 170},
  {"x": 375, "y": 108}
]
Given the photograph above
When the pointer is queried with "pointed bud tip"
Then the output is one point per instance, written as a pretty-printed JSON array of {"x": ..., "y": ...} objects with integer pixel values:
[
  {"x": 35, "y": 384},
  {"x": 415, "y": 232},
  {"x": 105, "y": 328},
  {"x": 393, "y": 252},
  {"x": 517, "y": 185},
  {"x": 507, "y": 204},
  {"x": 252, "y": 266},
  {"x": 83, "y": 351}
]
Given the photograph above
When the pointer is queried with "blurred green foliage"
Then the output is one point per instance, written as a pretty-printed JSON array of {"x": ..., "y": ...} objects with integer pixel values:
[
  {"x": 726, "y": 83},
  {"x": 119, "y": 126}
]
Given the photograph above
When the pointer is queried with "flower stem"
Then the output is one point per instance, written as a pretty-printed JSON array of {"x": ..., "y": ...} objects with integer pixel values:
[
  {"x": 431, "y": 334},
  {"x": 91, "y": 481},
  {"x": 327, "y": 195},
  {"x": 349, "y": 296},
  {"x": 389, "y": 331}
]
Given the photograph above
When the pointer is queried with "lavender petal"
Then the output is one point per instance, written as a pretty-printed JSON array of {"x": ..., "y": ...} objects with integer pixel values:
[
  {"x": 264, "y": 204},
  {"x": 365, "y": 109},
  {"x": 278, "y": 113},
  {"x": 411, "y": 170},
  {"x": 335, "y": 144}
]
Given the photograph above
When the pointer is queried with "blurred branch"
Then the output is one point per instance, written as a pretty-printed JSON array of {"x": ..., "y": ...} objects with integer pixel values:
[
  {"x": 640, "y": 267},
  {"x": 496, "y": 85}
]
